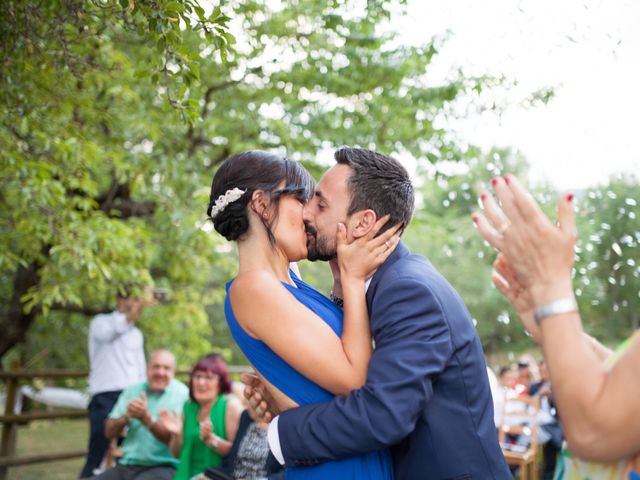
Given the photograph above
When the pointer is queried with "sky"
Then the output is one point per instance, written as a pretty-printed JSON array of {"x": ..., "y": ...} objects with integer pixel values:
[{"x": 588, "y": 51}]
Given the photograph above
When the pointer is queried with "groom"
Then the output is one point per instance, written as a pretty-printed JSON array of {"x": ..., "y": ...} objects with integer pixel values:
[{"x": 427, "y": 392}]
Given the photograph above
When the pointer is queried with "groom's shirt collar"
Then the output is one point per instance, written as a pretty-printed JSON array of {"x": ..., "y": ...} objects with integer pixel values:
[{"x": 367, "y": 283}]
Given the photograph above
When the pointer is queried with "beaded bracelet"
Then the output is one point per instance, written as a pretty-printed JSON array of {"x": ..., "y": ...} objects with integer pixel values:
[{"x": 337, "y": 300}]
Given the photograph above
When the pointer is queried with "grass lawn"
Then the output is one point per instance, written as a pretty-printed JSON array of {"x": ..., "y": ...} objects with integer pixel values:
[{"x": 51, "y": 437}]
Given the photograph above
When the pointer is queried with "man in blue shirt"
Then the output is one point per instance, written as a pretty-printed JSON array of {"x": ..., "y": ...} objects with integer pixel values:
[{"x": 145, "y": 454}]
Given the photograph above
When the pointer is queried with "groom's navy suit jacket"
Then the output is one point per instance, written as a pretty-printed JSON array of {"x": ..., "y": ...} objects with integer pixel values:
[{"x": 427, "y": 392}]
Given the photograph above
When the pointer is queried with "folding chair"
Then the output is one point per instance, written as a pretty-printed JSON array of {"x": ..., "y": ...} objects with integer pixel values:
[{"x": 520, "y": 421}]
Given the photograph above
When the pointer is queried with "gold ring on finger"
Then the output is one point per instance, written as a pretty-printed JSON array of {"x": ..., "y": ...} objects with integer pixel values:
[{"x": 503, "y": 228}]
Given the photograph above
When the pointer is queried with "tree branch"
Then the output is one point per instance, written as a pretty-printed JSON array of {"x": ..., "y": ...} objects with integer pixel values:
[
  {"x": 116, "y": 202},
  {"x": 130, "y": 208},
  {"x": 85, "y": 310}
]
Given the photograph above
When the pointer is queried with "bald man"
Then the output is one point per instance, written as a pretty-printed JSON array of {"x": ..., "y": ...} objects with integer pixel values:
[{"x": 145, "y": 454}]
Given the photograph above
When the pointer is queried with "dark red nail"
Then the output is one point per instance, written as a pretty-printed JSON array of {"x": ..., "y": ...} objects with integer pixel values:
[
  {"x": 475, "y": 219},
  {"x": 494, "y": 181},
  {"x": 506, "y": 179},
  {"x": 483, "y": 196},
  {"x": 569, "y": 197}
]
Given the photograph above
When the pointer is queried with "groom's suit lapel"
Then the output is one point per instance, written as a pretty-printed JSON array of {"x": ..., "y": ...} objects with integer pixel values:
[{"x": 400, "y": 252}]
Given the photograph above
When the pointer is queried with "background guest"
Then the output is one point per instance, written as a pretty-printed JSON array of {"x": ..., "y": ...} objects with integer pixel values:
[
  {"x": 550, "y": 432},
  {"x": 145, "y": 455},
  {"x": 249, "y": 457},
  {"x": 204, "y": 433},
  {"x": 116, "y": 359}
]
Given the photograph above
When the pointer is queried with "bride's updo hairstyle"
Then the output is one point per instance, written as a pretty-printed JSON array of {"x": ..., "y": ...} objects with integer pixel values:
[{"x": 241, "y": 175}]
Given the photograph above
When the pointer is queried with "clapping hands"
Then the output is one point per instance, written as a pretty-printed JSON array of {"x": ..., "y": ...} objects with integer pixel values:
[
  {"x": 206, "y": 431},
  {"x": 539, "y": 253},
  {"x": 505, "y": 279},
  {"x": 172, "y": 422},
  {"x": 137, "y": 408}
]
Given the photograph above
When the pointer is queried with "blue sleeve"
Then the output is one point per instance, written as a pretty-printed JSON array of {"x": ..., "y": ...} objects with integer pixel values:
[{"x": 413, "y": 344}]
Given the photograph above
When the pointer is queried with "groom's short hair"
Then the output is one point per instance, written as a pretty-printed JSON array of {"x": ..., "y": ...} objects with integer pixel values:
[{"x": 378, "y": 182}]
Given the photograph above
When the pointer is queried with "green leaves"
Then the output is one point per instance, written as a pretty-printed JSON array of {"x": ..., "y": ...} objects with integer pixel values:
[{"x": 117, "y": 114}]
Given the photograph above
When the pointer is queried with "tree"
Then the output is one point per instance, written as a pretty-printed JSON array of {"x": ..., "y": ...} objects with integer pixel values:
[
  {"x": 116, "y": 116},
  {"x": 76, "y": 212},
  {"x": 442, "y": 231},
  {"x": 608, "y": 270}
]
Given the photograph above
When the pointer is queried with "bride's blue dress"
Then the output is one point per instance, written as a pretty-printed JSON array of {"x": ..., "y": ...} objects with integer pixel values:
[{"x": 373, "y": 465}]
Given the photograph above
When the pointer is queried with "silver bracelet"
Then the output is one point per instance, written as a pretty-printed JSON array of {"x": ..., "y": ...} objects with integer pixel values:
[
  {"x": 558, "y": 307},
  {"x": 215, "y": 441}
]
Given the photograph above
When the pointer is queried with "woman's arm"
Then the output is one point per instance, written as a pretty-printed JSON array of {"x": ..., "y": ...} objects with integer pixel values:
[
  {"x": 175, "y": 444},
  {"x": 222, "y": 446},
  {"x": 174, "y": 425},
  {"x": 268, "y": 311},
  {"x": 597, "y": 405},
  {"x": 232, "y": 418},
  {"x": 599, "y": 349},
  {"x": 113, "y": 427}
]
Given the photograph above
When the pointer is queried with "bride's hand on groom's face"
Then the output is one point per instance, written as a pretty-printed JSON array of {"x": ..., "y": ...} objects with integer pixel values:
[{"x": 362, "y": 257}]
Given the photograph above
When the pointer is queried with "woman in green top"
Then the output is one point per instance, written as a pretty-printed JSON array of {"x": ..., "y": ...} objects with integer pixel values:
[{"x": 204, "y": 433}]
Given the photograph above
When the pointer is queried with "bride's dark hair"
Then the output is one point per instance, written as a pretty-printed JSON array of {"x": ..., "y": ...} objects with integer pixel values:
[{"x": 250, "y": 171}]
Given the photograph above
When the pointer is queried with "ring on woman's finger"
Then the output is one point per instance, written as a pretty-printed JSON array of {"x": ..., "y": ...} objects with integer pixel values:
[
  {"x": 387, "y": 244},
  {"x": 503, "y": 228}
]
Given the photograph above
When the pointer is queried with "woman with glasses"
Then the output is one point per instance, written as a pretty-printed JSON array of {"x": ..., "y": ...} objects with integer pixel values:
[{"x": 204, "y": 433}]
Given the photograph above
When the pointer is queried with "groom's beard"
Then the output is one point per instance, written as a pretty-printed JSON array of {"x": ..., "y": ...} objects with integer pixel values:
[{"x": 318, "y": 247}]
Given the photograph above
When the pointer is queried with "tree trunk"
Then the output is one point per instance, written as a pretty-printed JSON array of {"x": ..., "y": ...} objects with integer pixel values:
[{"x": 16, "y": 322}]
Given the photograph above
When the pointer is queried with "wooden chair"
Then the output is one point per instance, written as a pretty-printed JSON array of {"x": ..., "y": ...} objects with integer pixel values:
[
  {"x": 114, "y": 453},
  {"x": 520, "y": 417}
]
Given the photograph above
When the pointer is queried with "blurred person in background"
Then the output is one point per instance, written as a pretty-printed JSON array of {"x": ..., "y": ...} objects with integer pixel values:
[
  {"x": 116, "y": 361},
  {"x": 145, "y": 454},
  {"x": 203, "y": 434},
  {"x": 550, "y": 432},
  {"x": 523, "y": 378},
  {"x": 249, "y": 457},
  {"x": 507, "y": 377}
]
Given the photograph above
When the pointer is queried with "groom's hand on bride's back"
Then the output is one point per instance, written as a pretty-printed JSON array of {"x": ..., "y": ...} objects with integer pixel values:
[
  {"x": 253, "y": 392},
  {"x": 264, "y": 399}
]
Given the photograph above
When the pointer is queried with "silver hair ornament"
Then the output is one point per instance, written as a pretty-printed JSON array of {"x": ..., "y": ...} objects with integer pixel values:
[{"x": 223, "y": 200}]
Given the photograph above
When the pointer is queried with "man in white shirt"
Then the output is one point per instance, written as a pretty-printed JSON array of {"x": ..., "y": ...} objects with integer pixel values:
[{"x": 116, "y": 357}]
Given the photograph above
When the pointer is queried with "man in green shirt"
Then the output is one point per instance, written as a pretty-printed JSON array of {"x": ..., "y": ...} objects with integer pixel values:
[{"x": 145, "y": 455}]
